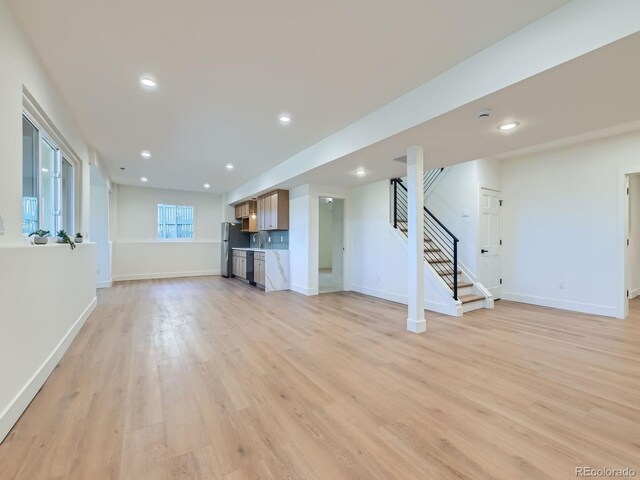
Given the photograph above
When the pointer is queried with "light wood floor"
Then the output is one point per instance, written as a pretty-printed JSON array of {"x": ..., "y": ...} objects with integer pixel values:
[{"x": 207, "y": 378}]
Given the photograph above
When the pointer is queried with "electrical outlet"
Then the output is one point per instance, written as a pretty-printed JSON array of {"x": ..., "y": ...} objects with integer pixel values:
[
  {"x": 561, "y": 284},
  {"x": 269, "y": 239},
  {"x": 1, "y": 224}
]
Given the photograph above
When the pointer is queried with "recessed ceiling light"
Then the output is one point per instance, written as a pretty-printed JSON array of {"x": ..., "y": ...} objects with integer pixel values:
[
  {"x": 505, "y": 127},
  {"x": 144, "y": 179},
  {"x": 45, "y": 170},
  {"x": 229, "y": 166},
  {"x": 148, "y": 82},
  {"x": 284, "y": 118},
  {"x": 361, "y": 172},
  {"x": 145, "y": 154},
  {"x": 206, "y": 185}
]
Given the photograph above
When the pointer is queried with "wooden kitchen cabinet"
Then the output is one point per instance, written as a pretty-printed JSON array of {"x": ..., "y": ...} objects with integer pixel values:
[
  {"x": 273, "y": 210},
  {"x": 240, "y": 264},
  {"x": 258, "y": 268},
  {"x": 246, "y": 209},
  {"x": 260, "y": 213}
]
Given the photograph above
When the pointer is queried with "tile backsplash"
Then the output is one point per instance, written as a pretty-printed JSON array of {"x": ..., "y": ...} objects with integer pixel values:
[{"x": 272, "y": 240}]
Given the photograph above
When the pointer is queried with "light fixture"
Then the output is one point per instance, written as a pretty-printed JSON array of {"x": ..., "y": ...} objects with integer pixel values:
[
  {"x": 253, "y": 215},
  {"x": 206, "y": 185},
  {"x": 45, "y": 170},
  {"x": 361, "y": 172},
  {"x": 505, "y": 127},
  {"x": 284, "y": 118},
  {"x": 145, "y": 154},
  {"x": 148, "y": 82},
  {"x": 229, "y": 166},
  {"x": 144, "y": 179}
]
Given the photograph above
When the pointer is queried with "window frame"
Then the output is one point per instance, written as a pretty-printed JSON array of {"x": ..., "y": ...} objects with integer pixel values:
[
  {"x": 176, "y": 238},
  {"x": 46, "y": 132}
]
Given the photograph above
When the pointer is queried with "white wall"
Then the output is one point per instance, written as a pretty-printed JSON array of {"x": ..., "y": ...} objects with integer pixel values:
[
  {"x": 137, "y": 254},
  {"x": 20, "y": 68},
  {"x": 455, "y": 195},
  {"x": 337, "y": 242},
  {"x": 46, "y": 292},
  {"x": 560, "y": 224},
  {"x": 325, "y": 245},
  {"x": 304, "y": 236},
  {"x": 99, "y": 233},
  {"x": 299, "y": 239},
  {"x": 379, "y": 253}
]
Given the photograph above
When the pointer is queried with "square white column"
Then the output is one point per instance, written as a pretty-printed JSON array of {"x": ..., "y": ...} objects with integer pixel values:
[{"x": 415, "y": 198}]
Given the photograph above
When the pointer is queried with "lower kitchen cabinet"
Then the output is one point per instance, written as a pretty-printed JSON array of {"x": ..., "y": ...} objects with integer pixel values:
[
  {"x": 258, "y": 268},
  {"x": 239, "y": 260}
]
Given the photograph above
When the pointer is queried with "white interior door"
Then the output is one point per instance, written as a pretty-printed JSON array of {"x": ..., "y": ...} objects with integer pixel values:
[{"x": 489, "y": 233}]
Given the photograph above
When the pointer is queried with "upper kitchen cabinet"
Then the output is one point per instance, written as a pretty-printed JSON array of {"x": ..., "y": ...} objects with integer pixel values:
[
  {"x": 273, "y": 210},
  {"x": 246, "y": 209}
]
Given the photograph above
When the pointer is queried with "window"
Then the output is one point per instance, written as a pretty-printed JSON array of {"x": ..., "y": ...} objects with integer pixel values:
[
  {"x": 175, "y": 221},
  {"x": 30, "y": 161},
  {"x": 47, "y": 183}
]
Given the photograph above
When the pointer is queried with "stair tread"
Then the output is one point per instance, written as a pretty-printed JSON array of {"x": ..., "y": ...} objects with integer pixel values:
[
  {"x": 447, "y": 272},
  {"x": 460, "y": 284},
  {"x": 470, "y": 298}
]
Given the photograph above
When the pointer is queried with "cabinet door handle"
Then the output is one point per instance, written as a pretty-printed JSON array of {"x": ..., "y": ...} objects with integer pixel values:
[{"x": 484, "y": 251}]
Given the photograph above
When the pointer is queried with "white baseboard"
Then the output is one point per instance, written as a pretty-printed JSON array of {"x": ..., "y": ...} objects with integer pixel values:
[
  {"x": 594, "y": 309},
  {"x": 104, "y": 284},
  {"x": 634, "y": 293},
  {"x": 416, "y": 326},
  {"x": 152, "y": 276},
  {"x": 303, "y": 290},
  {"x": 451, "y": 310},
  {"x": 10, "y": 415}
]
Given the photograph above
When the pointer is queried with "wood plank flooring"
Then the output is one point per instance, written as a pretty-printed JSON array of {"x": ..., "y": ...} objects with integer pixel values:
[{"x": 207, "y": 378}]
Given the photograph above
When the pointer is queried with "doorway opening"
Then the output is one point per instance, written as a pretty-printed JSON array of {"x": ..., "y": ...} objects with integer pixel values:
[
  {"x": 632, "y": 256},
  {"x": 331, "y": 245}
]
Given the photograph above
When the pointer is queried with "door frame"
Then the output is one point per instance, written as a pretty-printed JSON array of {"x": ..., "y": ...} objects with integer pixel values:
[
  {"x": 479, "y": 270},
  {"x": 622, "y": 253},
  {"x": 346, "y": 261}
]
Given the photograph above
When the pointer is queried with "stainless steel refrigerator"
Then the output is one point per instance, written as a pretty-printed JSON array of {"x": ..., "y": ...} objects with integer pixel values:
[{"x": 232, "y": 237}]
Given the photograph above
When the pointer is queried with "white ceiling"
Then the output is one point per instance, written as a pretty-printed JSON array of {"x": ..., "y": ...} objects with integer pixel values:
[
  {"x": 226, "y": 70},
  {"x": 581, "y": 99}
]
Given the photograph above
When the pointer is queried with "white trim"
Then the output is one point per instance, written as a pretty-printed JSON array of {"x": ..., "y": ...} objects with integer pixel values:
[
  {"x": 36, "y": 114},
  {"x": 10, "y": 415},
  {"x": 304, "y": 291},
  {"x": 453, "y": 309},
  {"x": 416, "y": 326},
  {"x": 104, "y": 284},
  {"x": 152, "y": 276},
  {"x": 621, "y": 244},
  {"x": 475, "y": 278},
  {"x": 634, "y": 293},
  {"x": 605, "y": 310}
]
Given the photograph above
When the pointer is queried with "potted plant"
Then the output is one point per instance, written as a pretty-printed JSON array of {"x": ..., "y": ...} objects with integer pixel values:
[
  {"x": 40, "y": 237},
  {"x": 78, "y": 238},
  {"x": 64, "y": 238}
]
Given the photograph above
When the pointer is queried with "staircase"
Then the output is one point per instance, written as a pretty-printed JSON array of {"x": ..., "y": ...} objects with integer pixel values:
[{"x": 440, "y": 247}]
